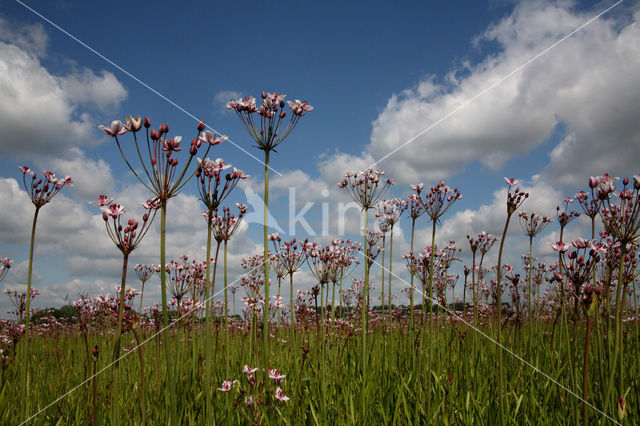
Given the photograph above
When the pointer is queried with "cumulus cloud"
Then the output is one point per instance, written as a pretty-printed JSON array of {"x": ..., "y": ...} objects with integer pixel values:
[
  {"x": 41, "y": 108},
  {"x": 589, "y": 83}
]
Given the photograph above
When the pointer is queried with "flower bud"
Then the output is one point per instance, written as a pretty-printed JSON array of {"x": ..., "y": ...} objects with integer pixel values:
[
  {"x": 96, "y": 352},
  {"x": 264, "y": 95},
  {"x": 625, "y": 181},
  {"x": 283, "y": 114},
  {"x": 155, "y": 135},
  {"x": 146, "y": 122},
  {"x": 105, "y": 216},
  {"x": 201, "y": 125},
  {"x": 145, "y": 217},
  {"x": 593, "y": 182}
]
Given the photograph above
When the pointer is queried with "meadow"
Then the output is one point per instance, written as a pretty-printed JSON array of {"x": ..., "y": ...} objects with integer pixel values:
[{"x": 533, "y": 343}]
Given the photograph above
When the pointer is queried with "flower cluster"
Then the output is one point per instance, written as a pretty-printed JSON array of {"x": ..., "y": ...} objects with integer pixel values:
[
  {"x": 128, "y": 237},
  {"x": 268, "y": 129},
  {"x": 366, "y": 187},
  {"x": 42, "y": 190}
]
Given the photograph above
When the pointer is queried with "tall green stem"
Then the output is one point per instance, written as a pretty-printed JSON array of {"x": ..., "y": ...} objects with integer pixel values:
[
  {"x": 413, "y": 226},
  {"x": 226, "y": 312},
  {"x": 364, "y": 307},
  {"x": 529, "y": 273},
  {"x": 115, "y": 373},
  {"x": 265, "y": 327},
  {"x": 617, "y": 349},
  {"x": 500, "y": 372},
  {"x": 165, "y": 313},
  {"x": 293, "y": 311},
  {"x": 384, "y": 237},
  {"x": 207, "y": 326},
  {"x": 431, "y": 262},
  {"x": 25, "y": 365},
  {"x": 390, "y": 274}
]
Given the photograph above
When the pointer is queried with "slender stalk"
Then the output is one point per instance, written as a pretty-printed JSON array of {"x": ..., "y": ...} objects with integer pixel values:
[
  {"x": 585, "y": 370},
  {"x": 529, "y": 272},
  {"x": 207, "y": 326},
  {"x": 384, "y": 237},
  {"x": 431, "y": 262},
  {"x": 165, "y": 314},
  {"x": 617, "y": 349},
  {"x": 25, "y": 371},
  {"x": 293, "y": 311},
  {"x": 364, "y": 307},
  {"x": 413, "y": 226},
  {"x": 115, "y": 373},
  {"x": 226, "y": 311},
  {"x": 500, "y": 372},
  {"x": 390, "y": 274},
  {"x": 265, "y": 327},
  {"x": 116, "y": 349}
]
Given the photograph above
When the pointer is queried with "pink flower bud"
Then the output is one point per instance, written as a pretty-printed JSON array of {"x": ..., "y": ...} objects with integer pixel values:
[
  {"x": 146, "y": 122},
  {"x": 201, "y": 125},
  {"x": 593, "y": 182}
]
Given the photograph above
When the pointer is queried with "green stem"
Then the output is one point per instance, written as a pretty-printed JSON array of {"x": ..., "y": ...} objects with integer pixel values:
[
  {"x": 500, "y": 372},
  {"x": 364, "y": 307},
  {"x": 384, "y": 238},
  {"x": 431, "y": 261},
  {"x": 165, "y": 313},
  {"x": 529, "y": 272},
  {"x": 265, "y": 327},
  {"x": 25, "y": 374},
  {"x": 293, "y": 314},
  {"x": 617, "y": 349},
  {"x": 413, "y": 226},
  {"x": 115, "y": 373},
  {"x": 226, "y": 312},
  {"x": 390, "y": 275},
  {"x": 207, "y": 326}
]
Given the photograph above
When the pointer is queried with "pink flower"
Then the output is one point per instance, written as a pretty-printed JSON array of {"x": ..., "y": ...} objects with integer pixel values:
[
  {"x": 212, "y": 137},
  {"x": 152, "y": 204},
  {"x": 26, "y": 170},
  {"x": 226, "y": 385},
  {"x": 115, "y": 210},
  {"x": 275, "y": 375},
  {"x": 561, "y": 247},
  {"x": 102, "y": 201},
  {"x": 511, "y": 181},
  {"x": 172, "y": 144},
  {"x": 114, "y": 129},
  {"x": 248, "y": 370},
  {"x": 133, "y": 124},
  {"x": 280, "y": 395},
  {"x": 299, "y": 108}
]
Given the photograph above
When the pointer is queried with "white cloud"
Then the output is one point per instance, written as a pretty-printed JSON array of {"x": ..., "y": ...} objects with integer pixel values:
[
  {"x": 41, "y": 108},
  {"x": 90, "y": 177},
  {"x": 590, "y": 83},
  {"x": 30, "y": 38},
  {"x": 102, "y": 91}
]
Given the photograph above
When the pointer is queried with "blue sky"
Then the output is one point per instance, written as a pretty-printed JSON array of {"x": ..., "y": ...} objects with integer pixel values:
[{"x": 377, "y": 74}]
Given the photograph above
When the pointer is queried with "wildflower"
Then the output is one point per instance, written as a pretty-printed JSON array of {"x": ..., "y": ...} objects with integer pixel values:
[
  {"x": 116, "y": 128},
  {"x": 226, "y": 385},
  {"x": 280, "y": 395}
]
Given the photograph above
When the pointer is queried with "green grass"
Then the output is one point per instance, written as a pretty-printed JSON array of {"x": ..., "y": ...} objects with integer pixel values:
[{"x": 447, "y": 377}]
